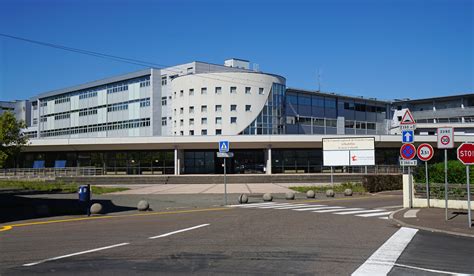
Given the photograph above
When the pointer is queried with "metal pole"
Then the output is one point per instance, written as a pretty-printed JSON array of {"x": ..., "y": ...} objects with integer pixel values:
[
  {"x": 332, "y": 178},
  {"x": 427, "y": 185},
  {"x": 225, "y": 181},
  {"x": 446, "y": 182},
  {"x": 410, "y": 188},
  {"x": 468, "y": 198}
]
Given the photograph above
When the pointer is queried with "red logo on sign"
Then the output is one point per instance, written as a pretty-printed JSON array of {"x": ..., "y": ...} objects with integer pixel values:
[
  {"x": 466, "y": 153},
  {"x": 354, "y": 158},
  {"x": 445, "y": 140},
  {"x": 425, "y": 152}
]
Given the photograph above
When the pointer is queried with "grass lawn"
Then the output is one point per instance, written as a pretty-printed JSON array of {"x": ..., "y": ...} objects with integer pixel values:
[
  {"x": 54, "y": 187},
  {"x": 338, "y": 188}
]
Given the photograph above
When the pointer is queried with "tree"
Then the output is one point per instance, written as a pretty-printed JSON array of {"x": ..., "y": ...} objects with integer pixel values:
[{"x": 12, "y": 139}]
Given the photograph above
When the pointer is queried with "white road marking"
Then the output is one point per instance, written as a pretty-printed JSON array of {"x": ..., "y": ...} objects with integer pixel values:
[
  {"x": 336, "y": 210},
  {"x": 251, "y": 204},
  {"x": 329, "y": 207},
  {"x": 294, "y": 206},
  {"x": 316, "y": 207},
  {"x": 359, "y": 212},
  {"x": 273, "y": 206},
  {"x": 179, "y": 231},
  {"x": 374, "y": 214},
  {"x": 78, "y": 253},
  {"x": 383, "y": 218},
  {"x": 411, "y": 213},
  {"x": 430, "y": 270},
  {"x": 383, "y": 260}
]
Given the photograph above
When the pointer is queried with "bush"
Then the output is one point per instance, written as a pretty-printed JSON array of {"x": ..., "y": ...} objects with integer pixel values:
[
  {"x": 456, "y": 173},
  {"x": 338, "y": 188},
  {"x": 379, "y": 183}
]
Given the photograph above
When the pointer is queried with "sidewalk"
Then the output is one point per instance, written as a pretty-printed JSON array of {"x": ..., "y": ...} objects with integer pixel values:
[{"x": 433, "y": 219}]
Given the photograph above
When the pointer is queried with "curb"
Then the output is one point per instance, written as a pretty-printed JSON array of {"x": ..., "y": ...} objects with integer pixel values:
[{"x": 404, "y": 224}]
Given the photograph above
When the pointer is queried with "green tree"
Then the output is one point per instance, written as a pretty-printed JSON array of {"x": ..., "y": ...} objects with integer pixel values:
[{"x": 11, "y": 138}]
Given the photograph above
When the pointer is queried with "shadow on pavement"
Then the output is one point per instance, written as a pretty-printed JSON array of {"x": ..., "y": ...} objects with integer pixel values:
[{"x": 16, "y": 206}]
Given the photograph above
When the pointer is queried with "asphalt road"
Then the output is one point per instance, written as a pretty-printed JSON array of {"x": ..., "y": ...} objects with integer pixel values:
[{"x": 252, "y": 240}]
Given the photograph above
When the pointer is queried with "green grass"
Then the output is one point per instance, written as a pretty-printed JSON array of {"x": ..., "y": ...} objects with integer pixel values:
[
  {"x": 54, "y": 187},
  {"x": 356, "y": 188}
]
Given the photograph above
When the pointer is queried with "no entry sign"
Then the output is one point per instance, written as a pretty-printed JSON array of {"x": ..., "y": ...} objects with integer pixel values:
[
  {"x": 466, "y": 153},
  {"x": 408, "y": 151},
  {"x": 425, "y": 152}
]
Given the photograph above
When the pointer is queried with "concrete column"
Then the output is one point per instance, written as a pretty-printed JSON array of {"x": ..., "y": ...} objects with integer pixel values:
[
  {"x": 341, "y": 129},
  {"x": 268, "y": 158},
  {"x": 176, "y": 161}
]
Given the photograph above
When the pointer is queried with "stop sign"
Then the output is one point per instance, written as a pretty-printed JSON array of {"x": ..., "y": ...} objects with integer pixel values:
[{"x": 466, "y": 153}]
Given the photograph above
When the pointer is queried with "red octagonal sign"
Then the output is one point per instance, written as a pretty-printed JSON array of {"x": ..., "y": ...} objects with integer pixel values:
[{"x": 466, "y": 153}]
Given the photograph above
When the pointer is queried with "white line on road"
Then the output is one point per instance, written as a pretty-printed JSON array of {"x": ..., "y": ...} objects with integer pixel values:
[
  {"x": 179, "y": 231},
  {"x": 431, "y": 270},
  {"x": 75, "y": 254},
  {"x": 316, "y": 207},
  {"x": 250, "y": 205},
  {"x": 374, "y": 214},
  {"x": 336, "y": 210},
  {"x": 273, "y": 206},
  {"x": 327, "y": 207},
  {"x": 383, "y": 260},
  {"x": 359, "y": 212},
  {"x": 294, "y": 206}
]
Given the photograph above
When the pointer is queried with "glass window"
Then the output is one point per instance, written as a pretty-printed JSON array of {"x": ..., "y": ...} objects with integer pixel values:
[
  {"x": 260, "y": 91},
  {"x": 233, "y": 107},
  {"x": 218, "y": 90},
  {"x": 233, "y": 120},
  {"x": 292, "y": 99},
  {"x": 204, "y": 132},
  {"x": 304, "y": 100},
  {"x": 181, "y": 122},
  {"x": 191, "y": 92},
  {"x": 218, "y": 131},
  {"x": 247, "y": 107},
  {"x": 191, "y": 132},
  {"x": 218, "y": 108},
  {"x": 203, "y": 121},
  {"x": 203, "y": 108},
  {"x": 191, "y": 122},
  {"x": 330, "y": 103},
  {"x": 218, "y": 120},
  {"x": 191, "y": 109},
  {"x": 181, "y": 93},
  {"x": 247, "y": 90},
  {"x": 181, "y": 110},
  {"x": 163, "y": 80},
  {"x": 233, "y": 90},
  {"x": 204, "y": 90}
]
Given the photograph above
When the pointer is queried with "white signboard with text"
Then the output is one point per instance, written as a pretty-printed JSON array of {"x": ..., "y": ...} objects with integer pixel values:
[{"x": 357, "y": 151}]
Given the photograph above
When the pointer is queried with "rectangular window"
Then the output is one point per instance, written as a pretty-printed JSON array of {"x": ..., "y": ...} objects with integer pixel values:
[
  {"x": 163, "y": 100},
  {"x": 260, "y": 91},
  {"x": 218, "y": 90},
  {"x": 203, "y": 108},
  {"x": 191, "y": 92},
  {"x": 233, "y": 107},
  {"x": 163, "y": 121},
  {"x": 233, "y": 120},
  {"x": 204, "y": 132},
  {"x": 181, "y": 122},
  {"x": 247, "y": 90},
  {"x": 191, "y": 109},
  {"x": 181, "y": 110},
  {"x": 163, "y": 80},
  {"x": 203, "y": 121},
  {"x": 35, "y": 121},
  {"x": 203, "y": 90},
  {"x": 218, "y": 120},
  {"x": 181, "y": 133},
  {"x": 233, "y": 90},
  {"x": 181, "y": 93},
  {"x": 218, "y": 108},
  {"x": 218, "y": 131},
  {"x": 247, "y": 107},
  {"x": 191, "y": 122},
  {"x": 191, "y": 132},
  {"x": 189, "y": 70}
]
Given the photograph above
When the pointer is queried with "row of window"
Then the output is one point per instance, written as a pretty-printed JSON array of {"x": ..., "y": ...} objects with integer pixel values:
[
  {"x": 218, "y": 90},
  {"x": 88, "y": 112},
  {"x": 323, "y": 122},
  {"x": 363, "y": 107},
  {"x": 218, "y": 121},
  {"x": 62, "y": 100},
  {"x": 89, "y": 94},
  {"x": 359, "y": 125},
  {"x": 145, "y": 122},
  {"x": 217, "y": 108},
  {"x": 117, "y": 88},
  {"x": 145, "y": 83},
  {"x": 203, "y": 132},
  {"x": 62, "y": 116}
]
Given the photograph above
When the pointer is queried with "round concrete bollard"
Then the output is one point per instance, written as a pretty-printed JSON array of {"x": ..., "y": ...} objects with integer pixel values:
[
  {"x": 43, "y": 210},
  {"x": 267, "y": 197},
  {"x": 243, "y": 198},
  {"x": 310, "y": 194},
  {"x": 348, "y": 192},
  {"x": 96, "y": 208},
  {"x": 290, "y": 195},
  {"x": 330, "y": 193},
  {"x": 143, "y": 205}
]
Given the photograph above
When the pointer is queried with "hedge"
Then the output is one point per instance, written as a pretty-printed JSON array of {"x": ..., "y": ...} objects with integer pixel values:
[
  {"x": 456, "y": 173},
  {"x": 379, "y": 183}
]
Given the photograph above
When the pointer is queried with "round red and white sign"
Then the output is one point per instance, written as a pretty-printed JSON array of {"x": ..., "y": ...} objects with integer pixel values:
[
  {"x": 425, "y": 152},
  {"x": 445, "y": 140}
]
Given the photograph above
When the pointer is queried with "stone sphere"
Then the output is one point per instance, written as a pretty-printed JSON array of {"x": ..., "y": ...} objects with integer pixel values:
[
  {"x": 290, "y": 195},
  {"x": 330, "y": 193},
  {"x": 96, "y": 208},
  {"x": 310, "y": 194},
  {"x": 348, "y": 192},
  {"x": 243, "y": 198},
  {"x": 143, "y": 205},
  {"x": 267, "y": 197}
]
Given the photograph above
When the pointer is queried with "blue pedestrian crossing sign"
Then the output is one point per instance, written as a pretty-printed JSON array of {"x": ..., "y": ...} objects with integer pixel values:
[
  {"x": 223, "y": 146},
  {"x": 408, "y": 136}
]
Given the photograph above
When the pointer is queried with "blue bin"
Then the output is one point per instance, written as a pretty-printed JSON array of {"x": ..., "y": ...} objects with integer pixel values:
[{"x": 84, "y": 193}]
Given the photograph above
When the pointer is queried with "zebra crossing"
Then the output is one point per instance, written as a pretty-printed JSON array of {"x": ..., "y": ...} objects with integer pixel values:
[{"x": 318, "y": 208}]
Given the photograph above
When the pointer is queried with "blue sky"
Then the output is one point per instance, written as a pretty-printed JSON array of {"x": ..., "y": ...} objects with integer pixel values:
[{"x": 379, "y": 48}]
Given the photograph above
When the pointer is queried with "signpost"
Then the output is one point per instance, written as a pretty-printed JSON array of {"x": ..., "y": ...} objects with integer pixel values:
[
  {"x": 408, "y": 152},
  {"x": 425, "y": 153},
  {"x": 224, "y": 153},
  {"x": 445, "y": 141},
  {"x": 466, "y": 156}
]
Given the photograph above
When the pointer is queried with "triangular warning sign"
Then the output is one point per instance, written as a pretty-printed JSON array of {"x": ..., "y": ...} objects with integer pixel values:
[{"x": 407, "y": 118}]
